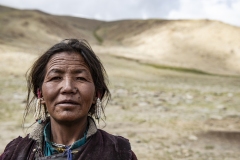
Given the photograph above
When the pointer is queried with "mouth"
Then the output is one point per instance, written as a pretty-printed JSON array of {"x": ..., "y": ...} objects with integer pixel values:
[{"x": 68, "y": 102}]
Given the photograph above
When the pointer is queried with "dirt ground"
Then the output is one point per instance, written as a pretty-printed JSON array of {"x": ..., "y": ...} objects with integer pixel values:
[{"x": 166, "y": 115}]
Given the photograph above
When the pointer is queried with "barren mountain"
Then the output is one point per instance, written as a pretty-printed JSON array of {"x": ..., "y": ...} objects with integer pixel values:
[
  {"x": 190, "y": 45},
  {"x": 203, "y": 45},
  {"x": 31, "y": 29}
]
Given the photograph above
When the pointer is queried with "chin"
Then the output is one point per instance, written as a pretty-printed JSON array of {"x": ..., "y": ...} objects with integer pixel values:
[{"x": 69, "y": 119}]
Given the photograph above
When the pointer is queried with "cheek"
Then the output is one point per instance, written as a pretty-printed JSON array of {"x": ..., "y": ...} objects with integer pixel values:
[
  {"x": 48, "y": 93},
  {"x": 89, "y": 93}
]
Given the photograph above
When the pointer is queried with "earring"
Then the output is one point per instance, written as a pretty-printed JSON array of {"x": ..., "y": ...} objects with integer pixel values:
[
  {"x": 40, "y": 113},
  {"x": 98, "y": 108}
]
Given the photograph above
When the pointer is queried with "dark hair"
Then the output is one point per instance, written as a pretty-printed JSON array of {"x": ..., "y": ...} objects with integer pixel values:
[{"x": 35, "y": 76}]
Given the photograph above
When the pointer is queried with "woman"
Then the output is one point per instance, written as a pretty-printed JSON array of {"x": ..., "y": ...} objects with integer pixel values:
[{"x": 68, "y": 82}]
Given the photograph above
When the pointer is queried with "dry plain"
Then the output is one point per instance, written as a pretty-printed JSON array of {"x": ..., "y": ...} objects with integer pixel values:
[{"x": 166, "y": 114}]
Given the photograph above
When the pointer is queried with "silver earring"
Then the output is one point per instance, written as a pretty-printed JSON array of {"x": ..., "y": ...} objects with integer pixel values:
[
  {"x": 40, "y": 113},
  {"x": 98, "y": 108}
]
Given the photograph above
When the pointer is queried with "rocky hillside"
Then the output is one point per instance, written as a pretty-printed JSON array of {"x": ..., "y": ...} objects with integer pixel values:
[
  {"x": 33, "y": 29},
  {"x": 201, "y": 46}
]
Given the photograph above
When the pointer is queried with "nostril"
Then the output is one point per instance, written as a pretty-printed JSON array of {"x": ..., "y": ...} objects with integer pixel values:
[{"x": 69, "y": 90}]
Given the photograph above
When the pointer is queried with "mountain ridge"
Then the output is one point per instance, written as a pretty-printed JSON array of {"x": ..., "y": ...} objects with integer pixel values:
[{"x": 205, "y": 45}]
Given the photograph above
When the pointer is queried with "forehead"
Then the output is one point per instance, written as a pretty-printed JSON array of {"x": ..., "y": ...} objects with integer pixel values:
[{"x": 66, "y": 59}]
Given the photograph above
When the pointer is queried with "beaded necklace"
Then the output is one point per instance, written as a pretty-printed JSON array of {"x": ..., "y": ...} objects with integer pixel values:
[{"x": 59, "y": 147}]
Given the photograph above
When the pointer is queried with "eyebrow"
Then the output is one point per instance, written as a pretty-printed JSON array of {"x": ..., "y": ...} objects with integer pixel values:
[
  {"x": 76, "y": 71},
  {"x": 60, "y": 71}
]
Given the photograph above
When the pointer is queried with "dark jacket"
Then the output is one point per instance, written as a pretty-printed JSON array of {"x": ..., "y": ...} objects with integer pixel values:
[{"x": 100, "y": 145}]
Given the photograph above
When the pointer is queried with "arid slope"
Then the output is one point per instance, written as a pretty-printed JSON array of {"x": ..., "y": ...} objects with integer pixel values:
[
  {"x": 209, "y": 46},
  {"x": 31, "y": 29},
  {"x": 195, "y": 45}
]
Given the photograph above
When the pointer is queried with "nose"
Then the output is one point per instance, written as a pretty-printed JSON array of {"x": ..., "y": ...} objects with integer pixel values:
[{"x": 68, "y": 86}]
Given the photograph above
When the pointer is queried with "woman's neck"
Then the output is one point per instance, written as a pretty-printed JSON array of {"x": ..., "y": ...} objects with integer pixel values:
[{"x": 67, "y": 133}]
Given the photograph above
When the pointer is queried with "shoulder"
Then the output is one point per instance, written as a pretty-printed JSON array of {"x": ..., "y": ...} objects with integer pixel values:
[
  {"x": 118, "y": 140},
  {"x": 121, "y": 145},
  {"x": 16, "y": 146},
  {"x": 9, "y": 149},
  {"x": 14, "y": 142},
  {"x": 118, "y": 146}
]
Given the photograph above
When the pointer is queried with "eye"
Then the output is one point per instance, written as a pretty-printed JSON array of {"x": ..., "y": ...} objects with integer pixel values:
[
  {"x": 81, "y": 78},
  {"x": 56, "y": 78}
]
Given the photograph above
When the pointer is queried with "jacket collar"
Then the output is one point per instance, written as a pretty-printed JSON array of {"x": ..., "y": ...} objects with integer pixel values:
[{"x": 37, "y": 133}]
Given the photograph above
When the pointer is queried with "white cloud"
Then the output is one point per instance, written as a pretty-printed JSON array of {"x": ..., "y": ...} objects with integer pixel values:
[
  {"x": 224, "y": 10},
  {"x": 227, "y": 11}
]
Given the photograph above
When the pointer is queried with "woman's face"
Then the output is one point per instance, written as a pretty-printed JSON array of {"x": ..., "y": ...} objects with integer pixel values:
[{"x": 68, "y": 90}]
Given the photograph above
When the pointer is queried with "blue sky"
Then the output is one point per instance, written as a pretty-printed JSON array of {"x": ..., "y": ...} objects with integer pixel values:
[{"x": 227, "y": 11}]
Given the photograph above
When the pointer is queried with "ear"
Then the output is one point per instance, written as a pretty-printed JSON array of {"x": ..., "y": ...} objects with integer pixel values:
[
  {"x": 97, "y": 95},
  {"x": 42, "y": 101},
  {"x": 39, "y": 96},
  {"x": 94, "y": 100}
]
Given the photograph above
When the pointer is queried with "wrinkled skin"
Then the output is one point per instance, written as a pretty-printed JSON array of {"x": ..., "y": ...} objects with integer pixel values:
[{"x": 68, "y": 90}]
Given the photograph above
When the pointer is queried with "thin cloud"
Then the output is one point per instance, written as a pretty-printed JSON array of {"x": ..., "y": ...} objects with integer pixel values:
[{"x": 227, "y": 11}]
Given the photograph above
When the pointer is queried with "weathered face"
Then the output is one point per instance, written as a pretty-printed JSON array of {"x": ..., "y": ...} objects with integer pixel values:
[{"x": 68, "y": 89}]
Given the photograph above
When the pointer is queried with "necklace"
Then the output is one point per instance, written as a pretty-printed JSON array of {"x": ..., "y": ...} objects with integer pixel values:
[{"x": 60, "y": 147}]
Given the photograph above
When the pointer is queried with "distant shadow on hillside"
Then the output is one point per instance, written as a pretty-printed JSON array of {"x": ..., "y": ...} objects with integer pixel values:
[{"x": 218, "y": 140}]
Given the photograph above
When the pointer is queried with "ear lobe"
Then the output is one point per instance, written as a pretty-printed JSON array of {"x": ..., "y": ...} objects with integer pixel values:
[
  {"x": 98, "y": 95},
  {"x": 42, "y": 101},
  {"x": 94, "y": 100}
]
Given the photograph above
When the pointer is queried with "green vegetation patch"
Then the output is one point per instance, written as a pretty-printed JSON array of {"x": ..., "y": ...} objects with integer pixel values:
[{"x": 99, "y": 39}]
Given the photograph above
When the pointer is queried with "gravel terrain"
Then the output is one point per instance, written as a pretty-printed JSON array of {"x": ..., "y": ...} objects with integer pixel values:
[{"x": 165, "y": 114}]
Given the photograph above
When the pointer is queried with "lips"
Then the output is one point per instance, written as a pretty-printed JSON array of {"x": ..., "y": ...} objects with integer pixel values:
[{"x": 68, "y": 102}]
